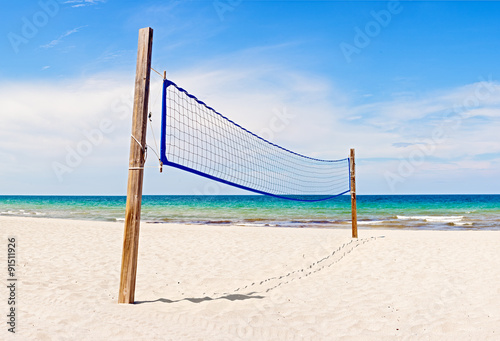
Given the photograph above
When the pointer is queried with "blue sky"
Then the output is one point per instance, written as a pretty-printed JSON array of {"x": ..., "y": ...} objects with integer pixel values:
[{"x": 413, "y": 86}]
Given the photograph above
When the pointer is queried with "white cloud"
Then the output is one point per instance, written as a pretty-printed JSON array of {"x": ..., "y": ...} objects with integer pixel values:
[
  {"x": 61, "y": 37},
  {"x": 41, "y": 120},
  {"x": 83, "y": 3}
]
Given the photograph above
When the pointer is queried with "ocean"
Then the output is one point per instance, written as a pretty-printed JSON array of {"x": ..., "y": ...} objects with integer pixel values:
[{"x": 439, "y": 212}]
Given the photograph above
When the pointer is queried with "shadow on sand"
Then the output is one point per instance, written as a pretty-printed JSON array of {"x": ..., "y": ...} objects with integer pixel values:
[{"x": 232, "y": 297}]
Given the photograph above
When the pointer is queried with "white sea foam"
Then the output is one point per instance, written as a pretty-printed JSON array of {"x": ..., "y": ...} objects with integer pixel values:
[
  {"x": 21, "y": 212},
  {"x": 254, "y": 224},
  {"x": 374, "y": 222},
  {"x": 434, "y": 219},
  {"x": 462, "y": 223},
  {"x": 9, "y": 212}
]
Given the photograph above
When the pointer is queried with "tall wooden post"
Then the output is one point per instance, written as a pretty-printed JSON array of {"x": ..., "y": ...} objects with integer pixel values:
[
  {"x": 136, "y": 168},
  {"x": 354, "y": 214}
]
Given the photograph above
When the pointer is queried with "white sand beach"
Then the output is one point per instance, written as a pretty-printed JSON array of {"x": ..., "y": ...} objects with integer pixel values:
[{"x": 251, "y": 283}]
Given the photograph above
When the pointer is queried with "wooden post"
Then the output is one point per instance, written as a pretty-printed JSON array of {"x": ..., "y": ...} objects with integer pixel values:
[
  {"x": 136, "y": 168},
  {"x": 354, "y": 214}
]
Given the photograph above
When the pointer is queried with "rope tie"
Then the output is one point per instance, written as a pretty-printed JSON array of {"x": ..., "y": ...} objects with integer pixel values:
[
  {"x": 136, "y": 140},
  {"x": 144, "y": 149}
]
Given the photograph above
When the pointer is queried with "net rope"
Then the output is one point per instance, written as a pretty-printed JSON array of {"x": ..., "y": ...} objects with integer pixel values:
[{"x": 198, "y": 139}]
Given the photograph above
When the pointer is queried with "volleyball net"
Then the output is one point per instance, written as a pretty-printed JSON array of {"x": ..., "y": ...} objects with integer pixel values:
[{"x": 198, "y": 139}]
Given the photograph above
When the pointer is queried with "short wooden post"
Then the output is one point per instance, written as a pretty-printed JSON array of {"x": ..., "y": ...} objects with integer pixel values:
[
  {"x": 136, "y": 168},
  {"x": 354, "y": 214}
]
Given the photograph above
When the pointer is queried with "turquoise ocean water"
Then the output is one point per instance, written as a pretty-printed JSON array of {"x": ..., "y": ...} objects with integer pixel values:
[{"x": 374, "y": 211}]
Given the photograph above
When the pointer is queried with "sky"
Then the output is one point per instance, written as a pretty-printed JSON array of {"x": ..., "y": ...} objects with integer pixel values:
[{"x": 413, "y": 86}]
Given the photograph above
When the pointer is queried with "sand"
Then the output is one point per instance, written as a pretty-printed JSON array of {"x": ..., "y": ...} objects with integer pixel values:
[{"x": 251, "y": 283}]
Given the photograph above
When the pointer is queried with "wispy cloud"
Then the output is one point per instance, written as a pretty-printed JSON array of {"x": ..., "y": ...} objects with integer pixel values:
[
  {"x": 61, "y": 37},
  {"x": 83, "y": 3},
  {"x": 45, "y": 67}
]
